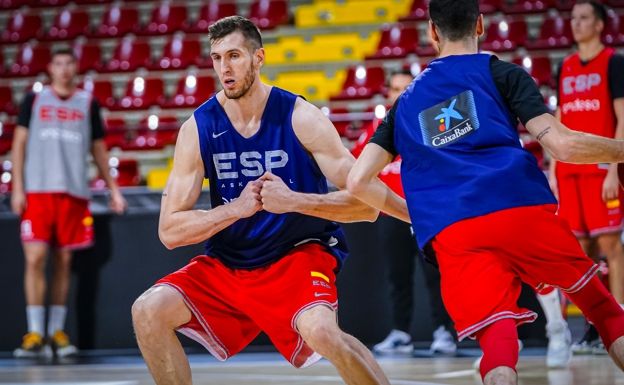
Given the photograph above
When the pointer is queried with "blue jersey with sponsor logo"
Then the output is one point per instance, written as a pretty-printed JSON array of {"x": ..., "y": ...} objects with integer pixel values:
[
  {"x": 461, "y": 152},
  {"x": 230, "y": 161}
]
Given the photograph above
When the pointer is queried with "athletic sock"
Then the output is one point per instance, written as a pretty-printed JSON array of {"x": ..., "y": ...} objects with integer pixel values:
[
  {"x": 499, "y": 343},
  {"x": 35, "y": 315},
  {"x": 551, "y": 304},
  {"x": 57, "y": 319},
  {"x": 601, "y": 309}
]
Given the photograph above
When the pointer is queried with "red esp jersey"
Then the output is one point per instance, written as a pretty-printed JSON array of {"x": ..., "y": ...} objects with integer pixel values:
[{"x": 586, "y": 104}]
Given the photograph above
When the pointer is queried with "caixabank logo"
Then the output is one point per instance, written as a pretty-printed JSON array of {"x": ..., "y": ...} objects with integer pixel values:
[{"x": 449, "y": 121}]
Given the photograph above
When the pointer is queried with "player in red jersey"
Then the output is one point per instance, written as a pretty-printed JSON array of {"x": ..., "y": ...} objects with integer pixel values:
[{"x": 591, "y": 99}]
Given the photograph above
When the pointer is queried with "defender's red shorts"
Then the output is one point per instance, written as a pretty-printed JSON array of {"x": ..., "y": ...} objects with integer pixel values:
[
  {"x": 483, "y": 261},
  {"x": 59, "y": 219},
  {"x": 581, "y": 204},
  {"x": 231, "y": 306}
]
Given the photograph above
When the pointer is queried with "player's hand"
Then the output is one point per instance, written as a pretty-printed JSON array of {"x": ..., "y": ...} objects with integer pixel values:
[
  {"x": 249, "y": 201},
  {"x": 277, "y": 198},
  {"x": 610, "y": 187},
  {"x": 18, "y": 202},
  {"x": 117, "y": 202},
  {"x": 552, "y": 182}
]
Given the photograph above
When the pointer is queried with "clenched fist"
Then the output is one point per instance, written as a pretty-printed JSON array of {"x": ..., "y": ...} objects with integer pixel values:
[
  {"x": 249, "y": 202},
  {"x": 276, "y": 197}
]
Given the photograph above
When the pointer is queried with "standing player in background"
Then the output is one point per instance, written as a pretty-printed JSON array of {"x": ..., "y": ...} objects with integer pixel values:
[
  {"x": 478, "y": 198},
  {"x": 273, "y": 248},
  {"x": 591, "y": 99},
  {"x": 402, "y": 255},
  {"x": 57, "y": 128}
]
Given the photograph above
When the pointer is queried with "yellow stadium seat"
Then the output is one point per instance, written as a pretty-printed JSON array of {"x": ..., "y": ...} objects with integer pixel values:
[
  {"x": 313, "y": 85},
  {"x": 332, "y": 13}
]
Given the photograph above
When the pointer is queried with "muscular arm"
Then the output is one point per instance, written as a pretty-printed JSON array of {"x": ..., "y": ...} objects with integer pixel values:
[
  {"x": 179, "y": 223},
  {"x": 573, "y": 146},
  {"x": 318, "y": 135},
  {"x": 364, "y": 184}
]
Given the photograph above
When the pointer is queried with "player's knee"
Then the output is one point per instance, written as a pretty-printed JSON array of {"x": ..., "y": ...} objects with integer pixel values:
[
  {"x": 324, "y": 338},
  {"x": 610, "y": 244},
  {"x": 147, "y": 311},
  {"x": 35, "y": 262}
]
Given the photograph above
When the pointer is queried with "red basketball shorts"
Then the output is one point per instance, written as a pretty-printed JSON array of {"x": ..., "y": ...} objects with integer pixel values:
[
  {"x": 581, "y": 204},
  {"x": 484, "y": 260},
  {"x": 231, "y": 306},
  {"x": 57, "y": 218}
]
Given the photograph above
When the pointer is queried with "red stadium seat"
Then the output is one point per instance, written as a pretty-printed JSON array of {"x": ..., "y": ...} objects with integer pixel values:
[
  {"x": 6, "y": 100},
  {"x": 93, "y": 1},
  {"x": 418, "y": 11},
  {"x": 166, "y": 18},
  {"x": 555, "y": 32},
  {"x": 124, "y": 171},
  {"x": 613, "y": 33},
  {"x": 89, "y": 57},
  {"x": 157, "y": 132},
  {"x": 22, "y": 26},
  {"x": 540, "y": 68},
  {"x": 362, "y": 83},
  {"x": 141, "y": 93},
  {"x": 396, "y": 42},
  {"x": 50, "y": 3},
  {"x": 117, "y": 22},
  {"x": 179, "y": 53},
  {"x": 12, "y": 4},
  {"x": 192, "y": 91},
  {"x": 68, "y": 25},
  {"x": 268, "y": 14},
  {"x": 115, "y": 133},
  {"x": 528, "y": 6},
  {"x": 615, "y": 3},
  {"x": 102, "y": 90},
  {"x": 209, "y": 13},
  {"x": 6, "y": 136},
  {"x": 30, "y": 60},
  {"x": 505, "y": 35},
  {"x": 489, "y": 6},
  {"x": 128, "y": 56}
]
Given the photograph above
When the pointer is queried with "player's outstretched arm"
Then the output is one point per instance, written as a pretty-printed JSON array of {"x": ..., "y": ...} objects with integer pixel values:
[
  {"x": 320, "y": 138},
  {"x": 573, "y": 146},
  {"x": 179, "y": 223},
  {"x": 364, "y": 184}
]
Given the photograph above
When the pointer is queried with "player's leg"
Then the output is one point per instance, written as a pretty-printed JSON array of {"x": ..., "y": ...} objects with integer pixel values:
[
  {"x": 33, "y": 344},
  {"x": 354, "y": 362},
  {"x": 443, "y": 340},
  {"x": 400, "y": 251},
  {"x": 59, "y": 287},
  {"x": 499, "y": 343},
  {"x": 559, "y": 337},
  {"x": 610, "y": 245},
  {"x": 156, "y": 314}
]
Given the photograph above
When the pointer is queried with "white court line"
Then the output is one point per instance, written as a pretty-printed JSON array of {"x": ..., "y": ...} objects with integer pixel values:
[{"x": 456, "y": 374}]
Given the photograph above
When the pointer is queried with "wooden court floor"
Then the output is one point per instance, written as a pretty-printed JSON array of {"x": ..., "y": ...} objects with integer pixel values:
[{"x": 270, "y": 368}]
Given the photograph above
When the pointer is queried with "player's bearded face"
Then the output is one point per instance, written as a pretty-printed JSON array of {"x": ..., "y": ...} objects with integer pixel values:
[{"x": 241, "y": 89}]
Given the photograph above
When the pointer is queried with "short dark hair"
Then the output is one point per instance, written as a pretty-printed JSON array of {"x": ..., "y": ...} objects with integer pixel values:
[
  {"x": 223, "y": 27},
  {"x": 63, "y": 51},
  {"x": 455, "y": 19},
  {"x": 600, "y": 11}
]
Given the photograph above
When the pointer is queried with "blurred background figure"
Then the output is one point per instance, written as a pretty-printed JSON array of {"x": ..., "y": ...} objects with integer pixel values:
[
  {"x": 591, "y": 99},
  {"x": 56, "y": 130},
  {"x": 401, "y": 256}
]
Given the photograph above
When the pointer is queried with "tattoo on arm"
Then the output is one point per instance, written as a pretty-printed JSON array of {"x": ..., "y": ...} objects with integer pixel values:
[
  {"x": 164, "y": 194},
  {"x": 541, "y": 135}
]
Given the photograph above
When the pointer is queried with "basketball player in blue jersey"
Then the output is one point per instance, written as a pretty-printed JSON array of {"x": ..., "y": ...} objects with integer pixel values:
[
  {"x": 273, "y": 247},
  {"x": 477, "y": 199}
]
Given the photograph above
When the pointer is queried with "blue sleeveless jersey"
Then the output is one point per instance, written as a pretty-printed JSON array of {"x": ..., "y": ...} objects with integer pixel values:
[
  {"x": 461, "y": 152},
  {"x": 230, "y": 161}
]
